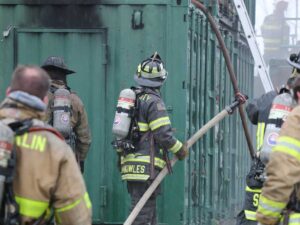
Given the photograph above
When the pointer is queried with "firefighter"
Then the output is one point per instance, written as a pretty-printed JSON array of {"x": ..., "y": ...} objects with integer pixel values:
[
  {"x": 140, "y": 166},
  {"x": 58, "y": 72},
  {"x": 46, "y": 172},
  {"x": 275, "y": 32},
  {"x": 279, "y": 201},
  {"x": 258, "y": 113}
]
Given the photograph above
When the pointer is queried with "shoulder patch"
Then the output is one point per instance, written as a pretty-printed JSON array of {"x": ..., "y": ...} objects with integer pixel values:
[
  {"x": 145, "y": 97},
  {"x": 160, "y": 106}
]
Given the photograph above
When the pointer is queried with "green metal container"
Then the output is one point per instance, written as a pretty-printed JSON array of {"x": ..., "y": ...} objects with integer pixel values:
[{"x": 104, "y": 41}]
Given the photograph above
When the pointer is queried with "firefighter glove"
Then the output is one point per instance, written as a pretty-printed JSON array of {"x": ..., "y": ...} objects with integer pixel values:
[{"x": 183, "y": 152}]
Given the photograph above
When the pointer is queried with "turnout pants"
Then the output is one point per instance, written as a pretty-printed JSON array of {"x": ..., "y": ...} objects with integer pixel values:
[{"x": 147, "y": 215}]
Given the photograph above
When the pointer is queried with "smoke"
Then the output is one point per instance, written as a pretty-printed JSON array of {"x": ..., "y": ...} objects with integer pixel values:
[{"x": 63, "y": 15}]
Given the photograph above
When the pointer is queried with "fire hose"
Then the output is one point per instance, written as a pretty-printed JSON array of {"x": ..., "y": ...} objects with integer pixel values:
[
  {"x": 230, "y": 70},
  {"x": 228, "y": 110}
]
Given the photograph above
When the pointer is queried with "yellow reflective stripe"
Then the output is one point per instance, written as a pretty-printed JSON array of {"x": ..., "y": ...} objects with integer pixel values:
[
  {"x": 260, "y": 135},
  {"x": 289, "y": 140},
  {"x": 287, "y": 150},
  {"x": 250, "y": 215},
  {"x": 68, "y": 207},
  {"x": 269, "y": 207},
  {"x": 147, "y": 69},
  {"x": 31, "y": 208},
  {"x": 288, "y": 145},
  {"x": 159, "y": 123},
  {"x": 294, "y": 219},
  {"x": 253, "y": 190},
  {"x": 257, "y": 135},
  {"x": 87, "y": 200},
  {"x": 143, "y": 126},
  {"x": 135, "y": 177},
  {"x": 144, "y": 159},
  {"x": 175, "y": 148}
]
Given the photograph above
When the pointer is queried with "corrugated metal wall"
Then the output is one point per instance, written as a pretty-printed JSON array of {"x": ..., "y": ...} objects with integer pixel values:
[{"x": 99, "y": 41}]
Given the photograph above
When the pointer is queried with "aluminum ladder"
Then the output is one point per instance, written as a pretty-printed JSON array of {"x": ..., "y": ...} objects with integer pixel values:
[{"x": 259, "y": 62}]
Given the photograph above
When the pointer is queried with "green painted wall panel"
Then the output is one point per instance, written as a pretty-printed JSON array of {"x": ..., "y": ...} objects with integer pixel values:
[{"x": 105, "y": 50}]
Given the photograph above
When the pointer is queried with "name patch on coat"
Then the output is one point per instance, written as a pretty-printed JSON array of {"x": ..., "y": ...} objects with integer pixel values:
[
  {"x": 34, "y": 142},
  {"x": 137, "y": 169}
]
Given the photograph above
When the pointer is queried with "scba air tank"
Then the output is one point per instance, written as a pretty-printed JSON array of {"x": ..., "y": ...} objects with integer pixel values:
[
  {"x": 62, "y": 112},
  {"x": 281, "y": 107},
  {"x": 123, "y": 114},
  {"x": 6, "y": 148}
]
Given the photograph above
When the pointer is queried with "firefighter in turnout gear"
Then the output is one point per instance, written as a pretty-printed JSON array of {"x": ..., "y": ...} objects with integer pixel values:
[
  {"x": 258, "y": 112},
  {"x": 275, "y": 32},
  {"x": 141, "y": 164},
  {"x": 279, "y": 201},
  {"x": 46, "y": 173},
  {"x": 79, "y": 137}
]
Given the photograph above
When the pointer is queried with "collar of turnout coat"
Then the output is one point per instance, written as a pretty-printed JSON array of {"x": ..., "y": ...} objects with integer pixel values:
[{"x": 18, "y": 110}]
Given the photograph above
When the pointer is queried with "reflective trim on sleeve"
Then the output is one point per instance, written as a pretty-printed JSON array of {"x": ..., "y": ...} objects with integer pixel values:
[
  {"x": 31, "y": 208},
  {"x": 163, "y": 121},
  {"x": 69, "y": 207},
  {"x": 294, "y": 219},
  {"x": 135, "y": 177},
  {"x": 250, "y": 215},
  {"x": 270, "y": 208},
  {"x": 248, "y": 189},
  {"x": 143, "y": 126},
  {"x": 288, "y": 145},
  {"x": 87, "y": 200},
  {"x": 175, "y": 148}
]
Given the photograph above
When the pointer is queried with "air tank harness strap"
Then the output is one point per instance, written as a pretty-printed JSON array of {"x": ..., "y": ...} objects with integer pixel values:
[
  {"x": 64, "y": 108},
  {"x": 33, "y": 129},
  {"x": 12, "y": 215},
  {"x": 278, "y": 122},
  {"x": 130, "y": 111}
]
